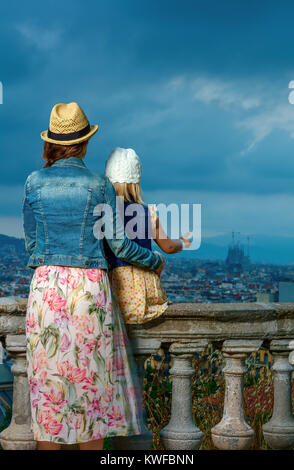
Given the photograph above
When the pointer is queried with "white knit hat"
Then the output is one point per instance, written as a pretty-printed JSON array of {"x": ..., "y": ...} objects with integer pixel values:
[{"x": 123, "y": 166}]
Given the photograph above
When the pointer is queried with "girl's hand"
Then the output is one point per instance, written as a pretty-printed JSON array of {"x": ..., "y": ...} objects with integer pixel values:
[
  {"x": 186, "y": 240},
  {"x": 158, "y": 271}
]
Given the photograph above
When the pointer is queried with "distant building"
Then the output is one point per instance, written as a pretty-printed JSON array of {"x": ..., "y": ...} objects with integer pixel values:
[
  {"x": 226, "y": 285},
  {"x": 267, "y": 297},
  {"x": 237, "y": 261},
  {"x": 286, "y": 291}
]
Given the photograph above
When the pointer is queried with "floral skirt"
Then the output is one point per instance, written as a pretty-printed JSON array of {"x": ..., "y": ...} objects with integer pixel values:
[
  {"x": 82, "y": 375},
  {"x": 139, "y": 293}
]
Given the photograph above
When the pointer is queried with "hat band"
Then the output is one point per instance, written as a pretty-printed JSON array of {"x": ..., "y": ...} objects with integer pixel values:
[{"x": 70, "y": 135}]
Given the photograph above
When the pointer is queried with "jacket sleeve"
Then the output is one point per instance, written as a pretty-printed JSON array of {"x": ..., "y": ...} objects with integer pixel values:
[
  {"x": 120, "y": 244},
  {"x": 29, "y": 222}
]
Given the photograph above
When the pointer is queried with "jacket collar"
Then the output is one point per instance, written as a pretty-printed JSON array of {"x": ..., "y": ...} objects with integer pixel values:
[{"x": 70, "y": 161}]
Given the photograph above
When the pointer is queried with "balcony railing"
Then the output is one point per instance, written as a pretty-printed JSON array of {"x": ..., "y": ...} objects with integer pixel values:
[{"x": 184, "y": 329}]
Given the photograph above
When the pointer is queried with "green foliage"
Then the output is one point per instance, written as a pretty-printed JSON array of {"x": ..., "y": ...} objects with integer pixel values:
[
  {"x": 107, "y": 444},
  {"x": 208, "y": 390}
]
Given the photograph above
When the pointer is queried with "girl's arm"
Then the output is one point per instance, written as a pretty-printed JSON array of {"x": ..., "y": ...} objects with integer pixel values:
[{"x": 166, "y": 244}]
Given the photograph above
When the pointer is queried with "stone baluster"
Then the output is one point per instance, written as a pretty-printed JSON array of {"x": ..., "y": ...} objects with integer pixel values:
[
  {"x": 181, "y": 432},
  {"x": 18, "y": 435},
  {"x": 279, "y": 431},
  {"x": 232, "y": 432},
  {"x": 142, "y": 349}
]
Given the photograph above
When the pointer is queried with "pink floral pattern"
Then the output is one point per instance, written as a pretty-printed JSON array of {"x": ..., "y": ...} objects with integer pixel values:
[{"x": 82, "y": 377}]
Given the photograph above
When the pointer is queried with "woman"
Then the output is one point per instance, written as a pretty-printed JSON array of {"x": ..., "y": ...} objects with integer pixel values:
[{"x": 80, "y": 368}]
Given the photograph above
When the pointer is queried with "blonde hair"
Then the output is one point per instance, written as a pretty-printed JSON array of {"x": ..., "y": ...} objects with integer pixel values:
[{"x": 129, "y": 191}]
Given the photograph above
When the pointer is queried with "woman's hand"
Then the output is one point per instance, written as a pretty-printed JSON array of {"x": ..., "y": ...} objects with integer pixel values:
[
  {"x": 186, "y": 240},
  {"x": 158, "y": 270}
]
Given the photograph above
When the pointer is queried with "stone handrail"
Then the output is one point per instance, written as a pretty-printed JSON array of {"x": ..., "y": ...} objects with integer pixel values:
[{"x": 184, "y": 329}]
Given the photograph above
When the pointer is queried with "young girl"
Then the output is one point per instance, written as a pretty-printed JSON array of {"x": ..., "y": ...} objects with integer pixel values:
[{"x": 138, "y": 291}]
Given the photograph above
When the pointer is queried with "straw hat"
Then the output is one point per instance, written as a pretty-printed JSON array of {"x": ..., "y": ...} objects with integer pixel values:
[
  {"x": 123, "y": 166},
  {"x": 68, "y": 125}
]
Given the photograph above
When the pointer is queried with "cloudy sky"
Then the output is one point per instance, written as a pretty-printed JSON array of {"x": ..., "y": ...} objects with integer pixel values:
[{"x": 198, "y": 88}]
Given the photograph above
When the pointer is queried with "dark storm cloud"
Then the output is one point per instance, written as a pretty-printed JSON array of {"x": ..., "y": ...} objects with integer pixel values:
[{"x": 135, "y": 69}]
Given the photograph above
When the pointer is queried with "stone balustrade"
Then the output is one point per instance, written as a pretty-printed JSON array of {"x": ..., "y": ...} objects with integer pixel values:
[{"x": 184, "y": 329}]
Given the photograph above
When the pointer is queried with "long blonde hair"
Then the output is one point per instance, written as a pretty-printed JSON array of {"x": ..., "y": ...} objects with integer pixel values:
[{"x": 131, "y": 192}]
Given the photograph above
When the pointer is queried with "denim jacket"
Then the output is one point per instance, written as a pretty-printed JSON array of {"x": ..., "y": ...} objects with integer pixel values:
[{"x": 58, "y": 219}]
